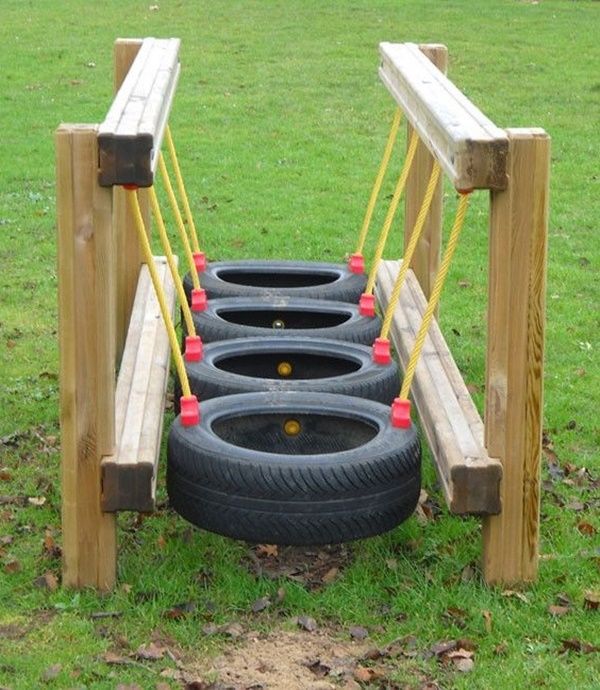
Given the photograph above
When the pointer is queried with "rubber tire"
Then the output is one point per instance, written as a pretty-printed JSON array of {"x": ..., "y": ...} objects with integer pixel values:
[
  {"x": 371, "y": 381},
  {"x": 292, "y": 499},
  {"x": 212, "y": 327},
  {"x": 347, "y": 287}
]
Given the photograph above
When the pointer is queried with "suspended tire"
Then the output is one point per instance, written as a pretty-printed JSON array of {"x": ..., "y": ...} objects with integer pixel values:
[
  {"x": 293, "y": 468},
  {"x": 243, "y": 317},
  {"x": 272, "y": 278},
  {"x": 304, "y": 364}
]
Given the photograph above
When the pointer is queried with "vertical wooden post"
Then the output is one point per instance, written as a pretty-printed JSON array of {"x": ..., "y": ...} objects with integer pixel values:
[
  {"x": 86, "y": 259},
  {"x": 129, "y": 257},
  {"x": 514, "y": 385},
  {"x": 427, "y": 255}
]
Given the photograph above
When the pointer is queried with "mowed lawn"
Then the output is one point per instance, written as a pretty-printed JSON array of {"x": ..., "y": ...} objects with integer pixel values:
[{"x": 280, "y": 121}]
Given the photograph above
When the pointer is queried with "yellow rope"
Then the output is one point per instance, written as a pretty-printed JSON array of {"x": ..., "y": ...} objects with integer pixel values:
[
  {"x": 179, "y": 221},
  {"x": 379, "y": 180},
  {"x": 160, "y": 295},
  {"x": 412, "y": 147},
  {"x": 164, "y": 240},
  {"x": 435, "y": 295},
  {"x": 181, "y": 188},
  {"x": 410, "y": 250}
]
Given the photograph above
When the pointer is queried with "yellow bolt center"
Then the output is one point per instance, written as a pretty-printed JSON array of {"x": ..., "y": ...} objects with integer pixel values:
[
  {"x": 292, "y": 427},
  {"x": 284, "y": 368}
]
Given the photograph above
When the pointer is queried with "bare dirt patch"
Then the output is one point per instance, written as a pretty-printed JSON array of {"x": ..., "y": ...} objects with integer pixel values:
[{"x": 285, "y": 660}]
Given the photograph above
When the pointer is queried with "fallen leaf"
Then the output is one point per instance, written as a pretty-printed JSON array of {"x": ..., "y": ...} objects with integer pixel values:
[
  {"x": 575, "y": 645},
  {"x": 392, "y": 564},
  {"x": 319, "y": 669},
  {"x": 50, "y": 548},
  {"x": 47, "y": 581},
  {"x": 467, "y": 574},
  {"x": 6, "y": 539},
  {"x": 586, "y": 528},
  {"x": 261, "y": 604},
  {"x": 357, "y": 632},
  {"x": 591, "y": 600},
  {"x": 307, "y": 623},
  {"x": 51, "y": 672},
  {"x": 487, "y": 619},
  {"x": 516, "y": 595},
  {"x": 233, "y": 630},
  {"x": 362, "y": 674},
  {"x": 12, "y": 566},
  {"x": 463, "y": 664},
  {"x": 268, "y": 550},
  {"x": 161, "y": 542},
  {"x": 114, "y": 659},
  {"x": 180, "y": 611},
  {"x": 464, "y": 283},
  {"x": 36, "y": 501},
  {"x": 280, "y": 595},
  {"x": 456, "y": 616},
  {"x": 501, "y": 649},
  {"x": 150, "y": 652},
  {"x": 558, "y": 611},
  {"x": 330, "y": 575},
  {"x": 5, "y": 475}
]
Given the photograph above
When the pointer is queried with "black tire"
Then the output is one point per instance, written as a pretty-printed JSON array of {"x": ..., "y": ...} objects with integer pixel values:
[
  {"x": 348, "y": 474},
  {"x": 243, "y": 317},
  {"x": 272, "y": 278},
  {"x": 236, "y": 366}
]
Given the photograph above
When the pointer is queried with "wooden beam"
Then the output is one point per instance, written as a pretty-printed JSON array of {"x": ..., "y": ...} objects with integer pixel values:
[
  {"x": 129, "y": 256},
  {"x": 87, "y": 356},
  {"x": 130, "y": 137},
  {"x": 129, "y": 474},
  {"x": 470, "y": 479},
  {"x": 426, "y": 259},
  {"x": 514, "y": 387},
  {"x": 470, "y": 148}
]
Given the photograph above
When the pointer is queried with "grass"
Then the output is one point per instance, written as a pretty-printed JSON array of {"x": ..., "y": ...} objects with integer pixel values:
[{"x": 280, "y": 121}]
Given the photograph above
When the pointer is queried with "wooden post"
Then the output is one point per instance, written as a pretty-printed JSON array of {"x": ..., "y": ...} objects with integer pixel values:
[
  {"x": 129, "y": 257},
  {"x": 427, "y": 255},
  {"x": 514, "y": 385},
  {"x": 86, "y": 260}
]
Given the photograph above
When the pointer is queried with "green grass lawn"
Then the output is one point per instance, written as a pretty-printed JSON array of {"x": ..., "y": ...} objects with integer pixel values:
[{"x": 281, "y": 120}]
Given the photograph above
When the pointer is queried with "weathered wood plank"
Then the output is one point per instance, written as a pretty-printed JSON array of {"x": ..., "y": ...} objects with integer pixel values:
[
  {"x": 129, "y": 475},
  {"x": 470, "y": 148},
  {"x": 514, "y": 386},
  {"x": 426, "y": 259},
  {"x": 129, "y": 257},
  {"x": 469, "y": 477},
  {"x": 87, "y": 356},
  {"x": 130, "y": 137}
]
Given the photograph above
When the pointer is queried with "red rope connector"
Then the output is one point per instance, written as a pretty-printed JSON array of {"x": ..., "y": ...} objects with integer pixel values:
[
  {"x": 193, "y": 348},
  {"x": 130, "y": 187},
  {"x": 382, "y": 353},
  {"x": 200, "y": 261},
  {"x": 356, "y": 263},
  {"x": 366, "y": 305},
  {"x": 190, "y": 410},
  {"x": 198, "y": 299},
  {"x": 400, "y": 416}
]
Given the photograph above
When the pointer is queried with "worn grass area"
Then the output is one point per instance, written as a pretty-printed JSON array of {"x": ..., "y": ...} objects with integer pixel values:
[{"x": 280, "y": 121}]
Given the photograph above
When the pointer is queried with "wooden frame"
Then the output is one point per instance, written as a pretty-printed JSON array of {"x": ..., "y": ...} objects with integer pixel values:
[
  {"x": 490, "y": 468},
  {"x": 111, "y": 429},
  {"x": 130, "y": 137}
]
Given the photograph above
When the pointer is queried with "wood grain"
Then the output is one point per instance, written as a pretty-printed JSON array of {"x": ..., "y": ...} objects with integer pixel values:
[
  {"x": 514, "y": 388},
  {"x": 469, "y": 147}
]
